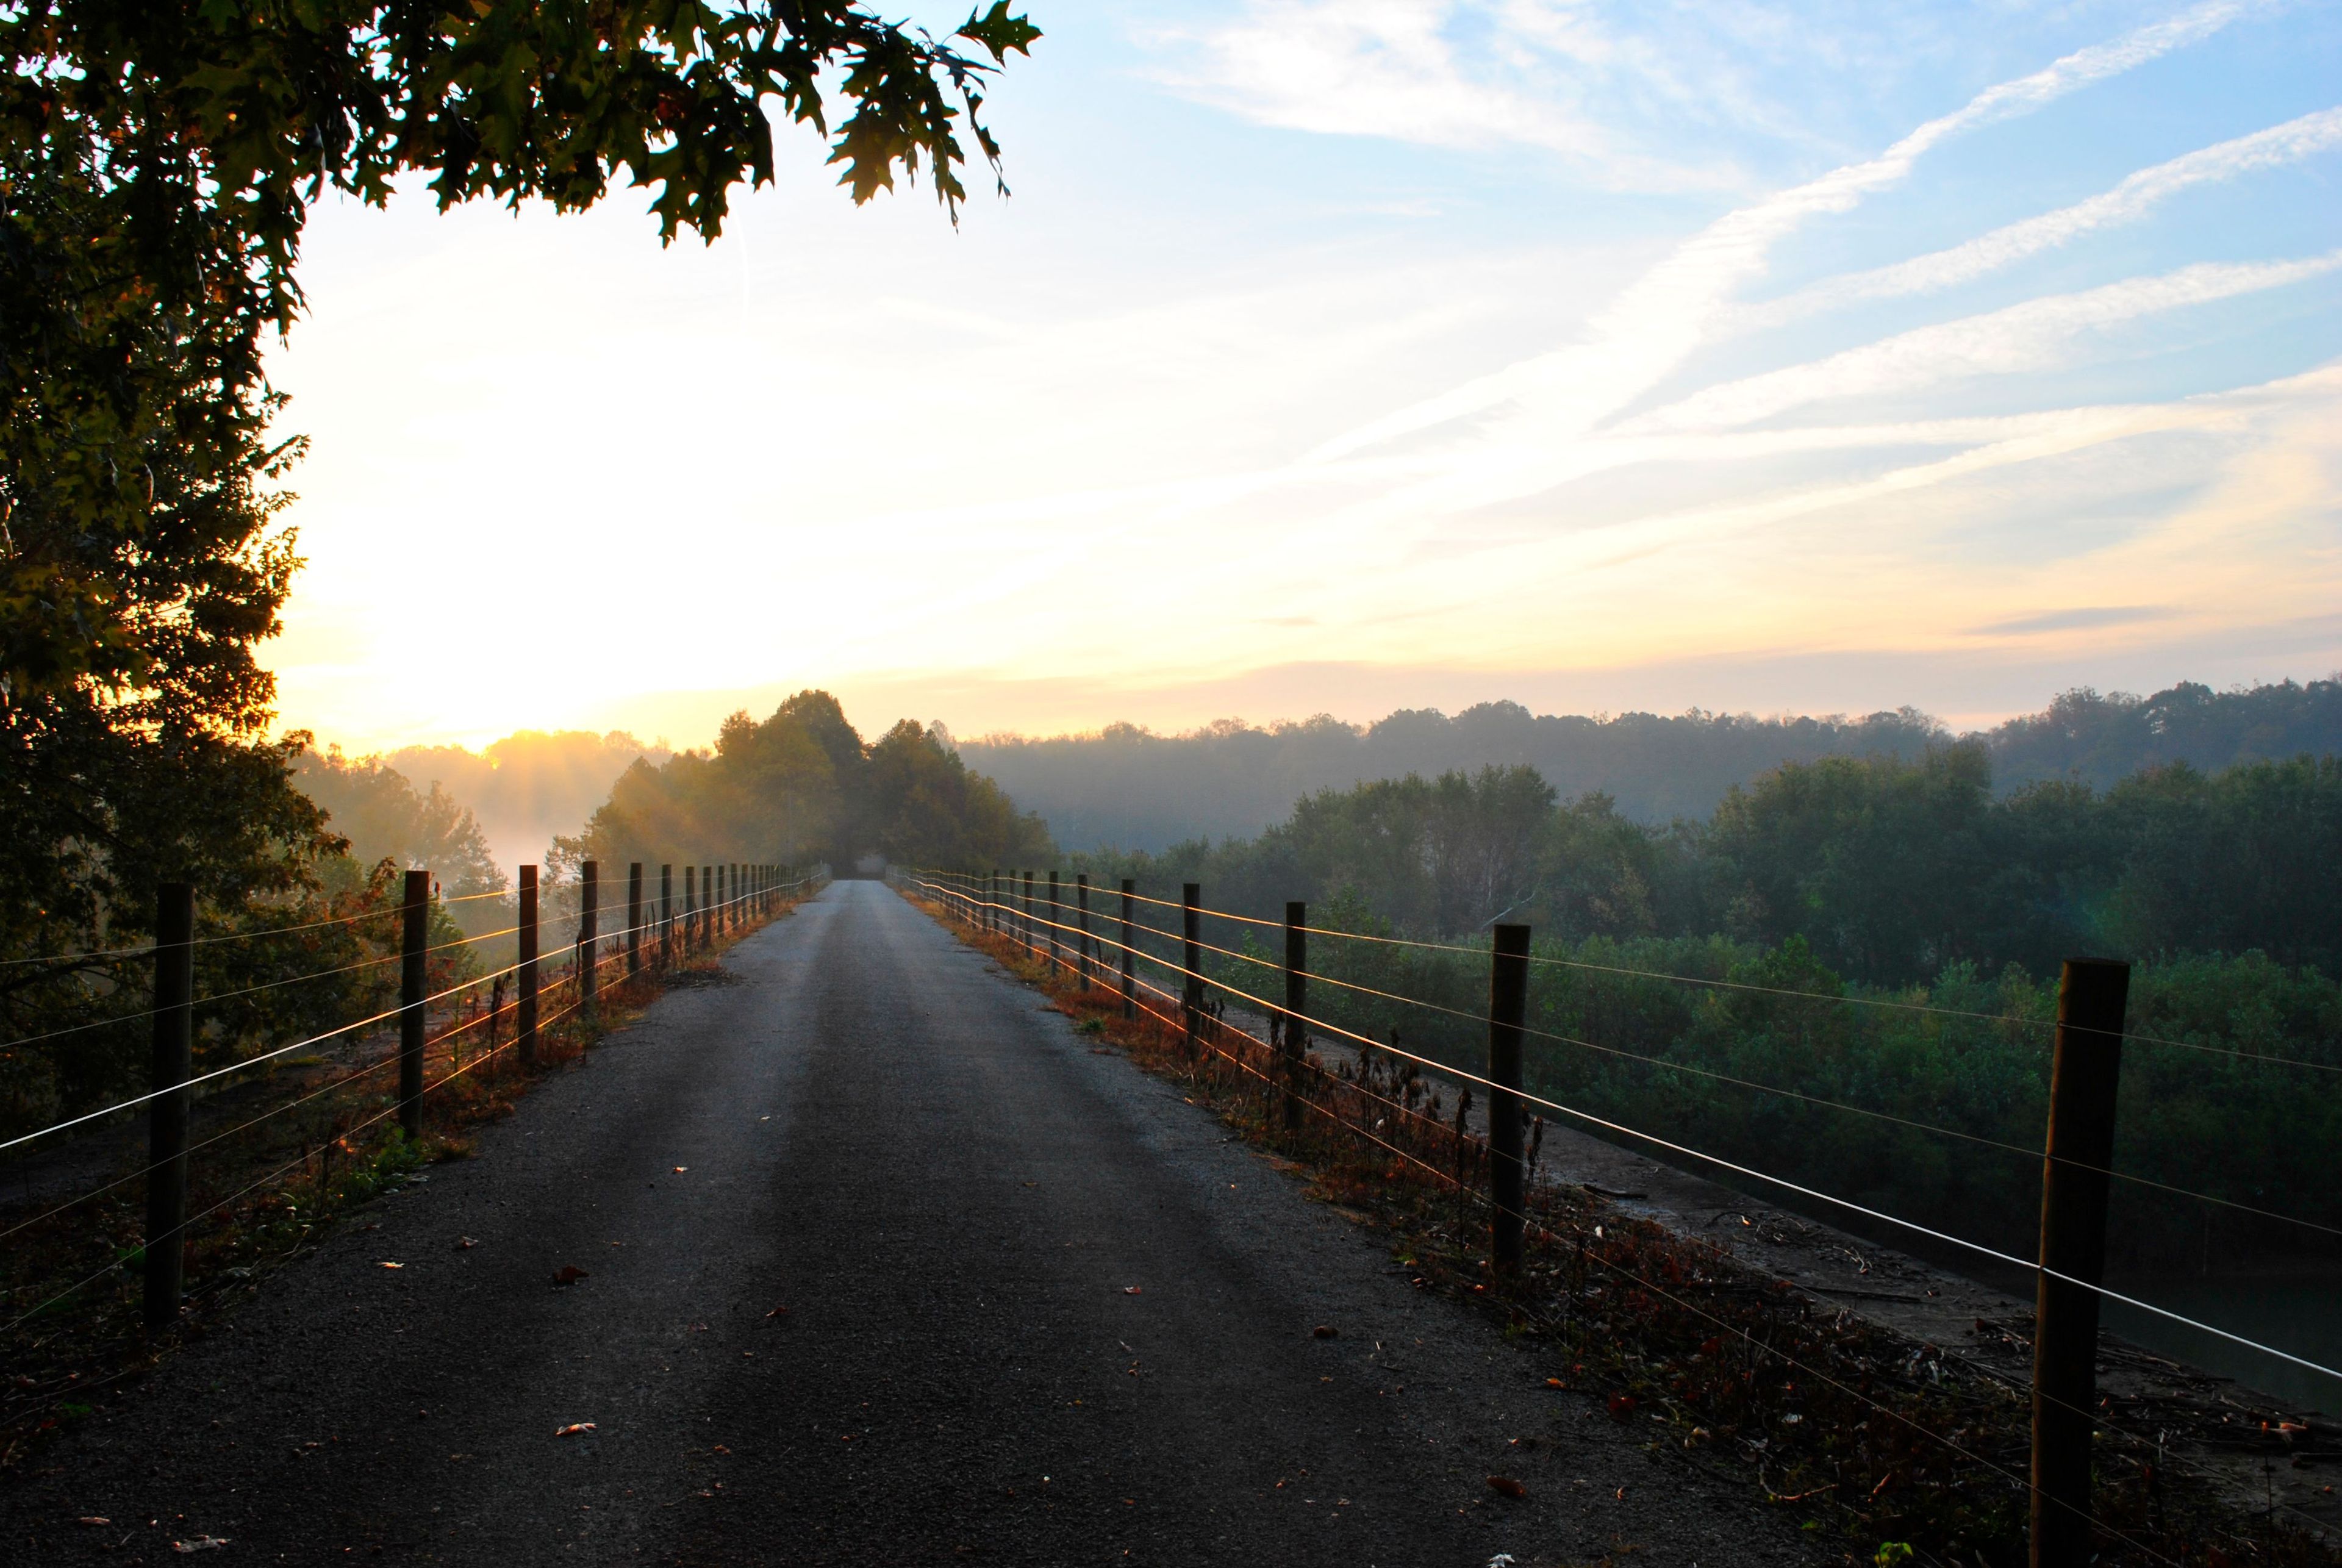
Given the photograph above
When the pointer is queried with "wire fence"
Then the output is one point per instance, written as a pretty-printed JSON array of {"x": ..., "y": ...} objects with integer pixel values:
[
  {"x": 475, "y": 1021},
  {"x": 1185, "y": 984}
]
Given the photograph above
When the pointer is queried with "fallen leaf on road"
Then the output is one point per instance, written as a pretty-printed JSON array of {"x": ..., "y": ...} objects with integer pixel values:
[
  {"x": 778, "y": 1312},
  {"x": 568, "y": 1275},
  {"x": 681, "y": 1169},
  {"x": 465, "y": 1244},
  {"x": 1555, "y": 1383},
  {"x": 1506, "y": 1487},
  {"x": 1130, "y": 1289},
  {"x": 574, "y": 1428},
  {"x": 721, "y": 1449},
  {"x": 93, "y": 1519},
  {"x": 394, "y": 1266},
  {"x": 1325, "y": 1331},
  {"x": 1621, "y": 1406},
  {"x": 200, "y": 1544}
]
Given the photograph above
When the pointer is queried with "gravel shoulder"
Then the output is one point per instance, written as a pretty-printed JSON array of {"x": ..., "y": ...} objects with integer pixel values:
[{"x": 884, "y": 1263}]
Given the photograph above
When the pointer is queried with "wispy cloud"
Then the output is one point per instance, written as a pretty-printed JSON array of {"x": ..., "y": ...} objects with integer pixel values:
[
  {"x": 2077, "y": 620},
  {"x": 1392, "y": 68},
  {"x": 2133, "y": 199},
  {"x": 2032, "y": 335},
  {"x": 1670, "y": 311}
]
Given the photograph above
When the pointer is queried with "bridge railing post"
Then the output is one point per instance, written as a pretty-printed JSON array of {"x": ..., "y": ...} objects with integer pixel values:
[
  {"x": 169, "y": 1068},
  {"x": 1129, "y": 958},
  {"x": 2085, "y": 1071},
  {"x": 1508, "y": 990},
  {"x": 524, "y": 1025},
  {"x": 589, "y": 940},
  {"x": 1296, "y": 1032},
  {"x": 1191, "y": 932},
  {"x": 414, "y": 946}
]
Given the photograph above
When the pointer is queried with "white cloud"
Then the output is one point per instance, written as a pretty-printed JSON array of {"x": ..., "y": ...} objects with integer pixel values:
[
  {"x": 1390, "y": 68},
  {"x": 1666, "y": 314},
  {"x": 2032, "y": 335},
  {"x": 2134, "y": 198}
]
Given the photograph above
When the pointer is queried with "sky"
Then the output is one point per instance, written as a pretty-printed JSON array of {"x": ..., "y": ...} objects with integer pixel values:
[{"x": 1343, "y": 356}]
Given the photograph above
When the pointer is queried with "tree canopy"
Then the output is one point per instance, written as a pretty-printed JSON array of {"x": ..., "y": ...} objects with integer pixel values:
[
  {"x": 157, "y": 162},
  {"x": 800, "y": 786}
]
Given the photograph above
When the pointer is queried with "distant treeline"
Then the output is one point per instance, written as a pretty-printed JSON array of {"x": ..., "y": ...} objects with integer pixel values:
[
  {"x": 803, "y": 786},
  {"x": 1829, "y": 888},
  {"x": 1888, "y": 871},
  {"x": 1129, "y": 788}
]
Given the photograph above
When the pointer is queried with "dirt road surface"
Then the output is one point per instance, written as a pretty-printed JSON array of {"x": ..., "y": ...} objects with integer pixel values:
[{"x": 885, "y": 1264}]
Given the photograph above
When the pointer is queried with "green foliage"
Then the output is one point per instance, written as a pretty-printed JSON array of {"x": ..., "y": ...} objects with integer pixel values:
[
  {"x": 293, "y": 967},
  {"x": 375, "y": 807},
  {"x": 1764, "y": 1076},
  {"x": 801, "y": 786},
  {"x": 157, "y": 162},
  {"x": 1891, "y": 870},
  {"x": 2101, "y": 739},
  {"x": 1881, "y": 933}
]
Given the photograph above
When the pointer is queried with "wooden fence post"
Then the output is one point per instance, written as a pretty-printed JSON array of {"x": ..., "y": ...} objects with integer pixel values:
[
  {"x": 991, "y": 900},
  {"x": 1508, "y": 997},
  {"x": 169, "y": 1068},
  {"x": 1088, "y": 968},
  {"x": 1130, "y": 959},
  {"x": 414, "y": 946},
  {"x": 589, "y": 940},
  {"x": 1191, "y": 932},
  {"x": 524, "y": 1023},
  {"x": 634, "y": 918},
  {"x": 2085, "y": 1066},
  {"x": 667, "y": 914},
  {"x": 1056, "y": 920},
  {"x": 1026, "y": 934},
  {"x": 1296, "y": 1007}
]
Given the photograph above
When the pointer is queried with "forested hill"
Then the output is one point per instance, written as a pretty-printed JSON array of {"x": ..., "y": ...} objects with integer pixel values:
[{"x": 1133, "y": 789}]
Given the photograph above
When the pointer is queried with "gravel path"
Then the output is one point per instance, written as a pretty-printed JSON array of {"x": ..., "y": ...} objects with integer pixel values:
[{"x": 885, "y": 1264}]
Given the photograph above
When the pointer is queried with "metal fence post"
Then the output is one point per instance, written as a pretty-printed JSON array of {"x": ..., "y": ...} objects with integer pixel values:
[
  {"x": 413, "y": 946},
  {"x": 525, "y": 1030},
  {"x": 1191, "y": 932},
  {"x": 1508, "y": 997},
  {"x": 1130, "y": 959},
  {"x": 2085, "y": 1069},
  {"x": 1296, "y": 1007},
  {"x": 169, "y": 1068},
  {"x": 589, "y": 942}
]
